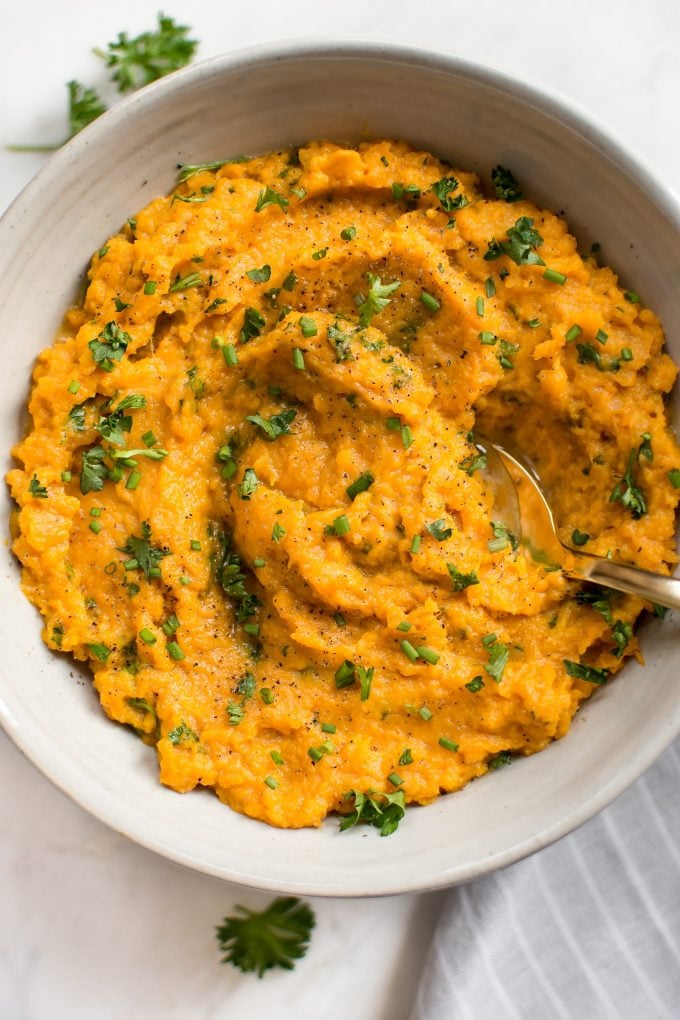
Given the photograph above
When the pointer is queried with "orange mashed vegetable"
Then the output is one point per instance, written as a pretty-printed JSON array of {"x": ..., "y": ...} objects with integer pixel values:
[{"x": 273, "y": 636}]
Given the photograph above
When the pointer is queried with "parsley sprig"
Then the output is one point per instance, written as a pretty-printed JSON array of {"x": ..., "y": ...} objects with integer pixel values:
[
  {"x": 259, "y": 940},
  {"x": 626, "y": 492},
  {"x": 520, "y": 245},
  {"x": 376, "y": 300},
  {"x": 382, "y": 810},
  {"x": 146, "y": 57}
]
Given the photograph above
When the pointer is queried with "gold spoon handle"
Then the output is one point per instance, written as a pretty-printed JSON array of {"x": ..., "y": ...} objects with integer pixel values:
[{"x": 665, "y": 591}]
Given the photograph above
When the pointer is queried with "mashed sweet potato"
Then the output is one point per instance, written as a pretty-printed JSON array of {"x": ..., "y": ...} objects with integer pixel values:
[{"x": 250, "y": 496}]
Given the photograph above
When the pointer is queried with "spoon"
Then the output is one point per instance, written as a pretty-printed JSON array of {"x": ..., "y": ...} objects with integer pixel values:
[{"x": 520, "y": 498}]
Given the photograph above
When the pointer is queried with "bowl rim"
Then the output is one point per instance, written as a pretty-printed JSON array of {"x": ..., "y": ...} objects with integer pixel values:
[{"x": 567, "y": 112}]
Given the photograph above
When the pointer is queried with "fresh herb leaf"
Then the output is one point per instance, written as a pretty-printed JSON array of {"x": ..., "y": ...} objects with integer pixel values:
[
  {"x": 277, "y": 425},
  {"x": 253, "y": 323},
  {"x": 114, "y": 426},
  {"x": 587, "y": 354},
  {"x": 503, "y": 538},
  {"x": 622, "y": 633},
  {"x": 260, "y": 275},
  {"x": 461, "y": 581},
  {"x": 382, "y": 810},
  {"x": 145, "y": 58},
  {"x": 180, "y": 734},
  {"x": 341, "y": 341},
  {"x": 498, "y": 657},
  {"x": 235, "y": 713},
  {"x": 377, "y": 298},
  {"x": 278, "y": 532},
  {"x": 37, "y": 490},
  {"x": 361, "y": 484},
  {"x": 229, "y": 574},
  {"x": 438, "y": 531},
  {"x": 249, "y": 484},
  {"x": 505, "y": 184},
  {"x": 146, "y": 556},
  {"x": 591, "y": 674},
  {"x": 598, "y": 598},
  {"x": 187, "y": 170},
  {"x": 270, "y": 197},
  {"x": 473, "y": 462},
  {"x": 93, "y": 472},
  {"x": 185, "y": 282},
  {"x": 499, "y": 760},
  {"x": 84, "y": 106},
  {"x": 520, "y": 246},
  {"x": 443, "y": 189},
  {"x": 256, "y": 941},
  {"x": 109, "y": 346},
  {"x": 626, "y": 492}
]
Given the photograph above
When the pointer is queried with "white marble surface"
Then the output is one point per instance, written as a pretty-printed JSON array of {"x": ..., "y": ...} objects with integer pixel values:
[{"x": 93, "y": 926}]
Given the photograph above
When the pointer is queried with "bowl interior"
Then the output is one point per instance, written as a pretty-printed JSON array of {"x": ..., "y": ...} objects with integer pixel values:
[{"x": 255, "y": 102}]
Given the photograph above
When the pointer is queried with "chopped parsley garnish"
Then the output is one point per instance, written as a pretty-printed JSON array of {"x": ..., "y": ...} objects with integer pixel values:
[
  {"x": 269, "y": 197},
  {"x": 520, "y": 246},
  {"x": 502, "y": 538},
  {"x": 249, "y": 484},
  {"x": 382, "y": 810},
  {"x": 84, "y": 106},
  {"x": 341, "y": 341},
  {"x": 405, "y": 192},
  {"x": 591, "y": 674},
  {"x": 475, "y": 684},
  {"x": 253, "y": 323},
  {"x": 348, "y": 233},
  {"x": 674, "y": 477},
  {"x": 235, "y": 713},
  {"x": 621, "y": 633},
  {"x": 473, "y": 462},
  {"x": 182, "y": 733},
  {"x": 587, "y": 354},
  {"x": 579, "y": 537},
  {"x": 505, "y": 184},
  {"x": 151, "y": 55},
  {"x": 278, "y": 532},
  {"x": 229, "y": 574},
  {"x": 443, "y": 189},
  {"x": 626, "y": 492},
  {"x": 260, "y": 275},
  {"x": 143, "y": 555},
  {"x": 498, "y": 657},
  {"x": 258, "y": 940},
  {"x": 187, "y": 170},
  {"x": 109, "y": 346},
  {"x": 461, "y": 581},
  {"x": 438, "y": 531},
  {"x": 114, "y": 426},
  {"x": 377, "y": 298},
  {"x": 598, "y": 598},
  {"x": 406, "y": 758},
  {"x": 320, "y": 254},
  {"x": 37, "y": 490},
  {"x": 93, "y": 472},
  {"x": 361, "y": 484},
  {"x": 278, "y": 425},
  {"x": 307, "y": 326},
  {"x": 499, "y": 760}
]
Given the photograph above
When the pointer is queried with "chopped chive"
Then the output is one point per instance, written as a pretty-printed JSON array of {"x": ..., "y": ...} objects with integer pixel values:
[
  {"x": 404, "y": 626},
  {"x": 394, "y": 424},
  {"x": 148, "y": 636},
  {"x": 534, "y": 323},
  {"x": 480, "y": 307},
  {"x": 340, "y": 620},
  {"x": 66, "y": 476},
  {"x": 134, "y": 478},
  {"x": 195, "y": 545},
  {"x": 573, "y": 332},
  {"x": 307, "y": 327},
  {"x": 252, "y": 628},
  {"x": 430, "y": 301},
  {"x": 601, "y": 336},
  {"x": 449, "y": 745},
  {"x": 96, "y": 511},
  {"x": 409, "y": 651},
  {"x": 276, "y": 757},
  {"x": 344, "y": 675},
  {"x": 632, "y": 296},
  {"x": 102, "y": 251},
  {"x": 95, "y": 526},
  {"x": 489, "y": 287},
  {"x": 406, "y": 436},
  {"x": 395, "y": 779},
  {"x": 579, "y": 537},
  {"x": 360, "y": 484},
  {"x": 259, "y": 562},
  {"x": 674, "y": 477},
  {"x": 267, "y": 696},
  {"x": 320, "y": 254},
  {"x": 100, "y": 651},
  {"x": 428, "y": 654},
  {"x": 552, "y": 276},
  {"x": 348, "y": 234},
  {"x": 150, "y": 287},
  {"x": 271, "y": 782},
  {"x": 229, "y": 354},
  {"x": 149, "y": 439},
  {"x": 184, "y": 581},
  {"x": 170, "y": 625},
  {"x": 154, "y": 571},
  {"x": 626, "y": 354},
  {"x": 425, "y": 713},
  {"x": 328, "y": 727},
  {"x": 406, "y": 758},
  {"x": 298, "y": 359},
  {"x": 415, "y": 543},
  {"x": 475, "y": 684},
  {"x": 341, "y": 525},
  {"x": 131, "y": 564},
  {"x": 73, "y": 386},
  {"x": 488, "y": 339},
  {"x": 174, "y": 651}
]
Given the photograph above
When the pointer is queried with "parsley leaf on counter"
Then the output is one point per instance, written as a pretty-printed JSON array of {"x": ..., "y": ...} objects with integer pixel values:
[
  {"x": 259, "y": 940},
  {"x": 148, "y": 56},
  {"x": 84, "y": 106}
]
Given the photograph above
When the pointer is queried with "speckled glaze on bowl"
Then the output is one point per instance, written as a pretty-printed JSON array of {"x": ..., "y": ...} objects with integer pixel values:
[{"x": 252, "y": 102}]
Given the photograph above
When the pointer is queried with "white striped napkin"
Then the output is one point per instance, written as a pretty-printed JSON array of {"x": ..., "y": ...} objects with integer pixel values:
[{"x": 587, "y": 929}]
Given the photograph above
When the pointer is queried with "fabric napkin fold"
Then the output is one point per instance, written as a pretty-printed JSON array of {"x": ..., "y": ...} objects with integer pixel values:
[{"x": 587, "y": 929}]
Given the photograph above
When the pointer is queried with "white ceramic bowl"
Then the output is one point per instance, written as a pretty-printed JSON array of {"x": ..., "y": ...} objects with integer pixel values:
[{"x": 253, "y": 102}]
